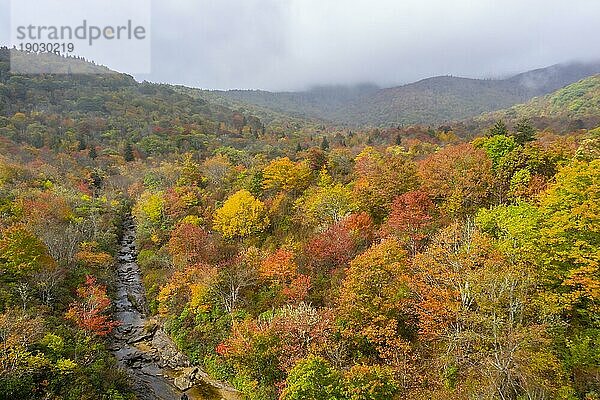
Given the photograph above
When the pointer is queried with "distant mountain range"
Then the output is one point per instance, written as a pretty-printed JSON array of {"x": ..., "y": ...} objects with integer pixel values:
[
  {"x": 429, "y": 101},
  {"x": 562, "y": 97}
]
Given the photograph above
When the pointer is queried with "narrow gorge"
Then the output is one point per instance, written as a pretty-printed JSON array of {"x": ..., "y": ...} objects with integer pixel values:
[{"x": 157, "y": 369}]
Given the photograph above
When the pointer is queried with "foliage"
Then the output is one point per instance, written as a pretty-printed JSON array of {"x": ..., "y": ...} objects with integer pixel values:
[
  {"x": 326, "y": 204},
  {"x": 573, "y": 106},
  {"x": 410, "y": 219},
  {"x": 524, "y": 132},
  {"x": 299, "y": 259},
  {"x": 241, "y": 216},
  {"x": 429, "y": 101},
  {"x": 313, "y": 379},
  {"x": 150, "y": 216},
  {"x": 458, "y": 178},
  {"x": 497, "y": 147},
  {"x": 570, "y": 237},
  {"x": 375, "y": 302},
  {"x": 89, "y": 312},
  {"x": 382, "y": 177},
  {"x": 22, "y": 252},
  {"x": 191, "y": 244},
  {"x": 281, "y": 270},
  {"x": 370, "y": 382},
  {"x": 283, "y": 174},
  {"x": 499, "y": 129}
]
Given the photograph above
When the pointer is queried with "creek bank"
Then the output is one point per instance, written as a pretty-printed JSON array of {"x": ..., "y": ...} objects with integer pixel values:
[{"x": 157, "y": 369}]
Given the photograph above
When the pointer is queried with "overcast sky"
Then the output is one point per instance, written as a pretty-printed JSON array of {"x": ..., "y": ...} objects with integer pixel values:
[{"x": 294, "y": 44}]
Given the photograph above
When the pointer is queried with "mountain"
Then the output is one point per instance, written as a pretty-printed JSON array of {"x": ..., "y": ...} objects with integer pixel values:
[
  {"x": 429, "y": 101},
  {"x": 108, "y": 109},
  {"x": 98, "y": 107},
  {"x": 108, "y": 113},
  {"x": 576, "y": 106},
  {"x": 50, "y": 63}
]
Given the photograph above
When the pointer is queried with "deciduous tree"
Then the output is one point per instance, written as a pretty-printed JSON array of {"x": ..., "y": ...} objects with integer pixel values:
[
  {"x": 381, "y": 178},
  {"x": 242, "y": 215},
  {"x": 410, "y": 219},
  {"x": 570, "y": 237},
  {"x": 326, "y": 204},
  {"x": 89, "y": 312},
  {"x": 191, "y": 244},
  {"x": 284, "y": 174},
  {"x": 459, "y": 179},
  {"x": 313, "y": 378},
  {"x": 375, "y": 302}
]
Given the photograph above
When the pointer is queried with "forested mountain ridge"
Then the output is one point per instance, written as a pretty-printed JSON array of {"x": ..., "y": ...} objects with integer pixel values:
[
  {"x": 576, "y": 106},
  {"x": 111, "y": 109},
  {"x": 429, "y": 101}
]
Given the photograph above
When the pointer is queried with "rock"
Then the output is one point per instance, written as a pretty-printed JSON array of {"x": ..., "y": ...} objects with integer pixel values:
[
  {"x": 186, "y": 378},
  {"x": 168, "y": 353},
  {"x": 114, "y": 347},
  {"x": 133, "y": 359},
  {"x": 151, "y": 325},
  {"x": 141, "y": 336},
  {"x": 140, "y": 345}
]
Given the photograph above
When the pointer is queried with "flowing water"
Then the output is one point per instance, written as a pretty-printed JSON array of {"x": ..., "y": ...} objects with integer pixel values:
[{"x": 158, "y": 371}]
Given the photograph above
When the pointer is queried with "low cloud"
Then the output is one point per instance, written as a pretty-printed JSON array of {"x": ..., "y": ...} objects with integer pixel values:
[{"x": 295, "y": 44}]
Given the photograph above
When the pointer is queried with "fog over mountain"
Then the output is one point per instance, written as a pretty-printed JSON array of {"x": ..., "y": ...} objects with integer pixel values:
[
  {"x": 296, "y": 44},
  {"x": 431, "y": 100}
]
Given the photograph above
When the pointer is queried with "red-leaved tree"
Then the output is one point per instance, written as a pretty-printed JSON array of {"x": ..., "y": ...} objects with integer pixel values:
[
  {"x": 282, "y": 271},
  {"x": 410, "y": 219},
  {"x": 333, "y": 248},
  {"x": 89, "y": 310}
]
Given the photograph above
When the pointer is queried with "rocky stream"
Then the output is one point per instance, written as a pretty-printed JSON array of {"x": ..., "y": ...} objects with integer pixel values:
[{"x": 158, "y": 371}]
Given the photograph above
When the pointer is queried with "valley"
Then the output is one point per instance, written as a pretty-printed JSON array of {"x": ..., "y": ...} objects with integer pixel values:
[
  {"x": 158, "y": 370},
  {"x": 430, "y": 241}
]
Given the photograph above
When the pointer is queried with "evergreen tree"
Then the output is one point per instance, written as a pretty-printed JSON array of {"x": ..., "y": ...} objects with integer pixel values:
[
  {"x": 398, "y": 140},
  {"x": 524, "y": 132},
  {"x": 92, "y": 152},
  {"x": 499, "y": 128},
  {"x": 325, "y": 144},
  {"x": 82, "y": 143},
  {"x": 128, "y": 153}
]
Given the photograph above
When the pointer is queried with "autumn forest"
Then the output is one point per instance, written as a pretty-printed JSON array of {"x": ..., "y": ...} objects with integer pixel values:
[{"x": 286, "y": 257}]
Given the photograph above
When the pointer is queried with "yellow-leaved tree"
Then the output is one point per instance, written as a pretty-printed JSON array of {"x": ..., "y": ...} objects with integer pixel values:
[
  {"x": 242, "y": 215},
  {"x": 284, "y": 174},
  {"x": 570, "y": 238}
]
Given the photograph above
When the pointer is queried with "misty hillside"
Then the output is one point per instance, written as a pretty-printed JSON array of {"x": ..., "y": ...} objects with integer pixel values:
[
  {"x": 407, "y": 235},
  {"x": 431, "y": 100},
  {"x": 575, "y": 106}
]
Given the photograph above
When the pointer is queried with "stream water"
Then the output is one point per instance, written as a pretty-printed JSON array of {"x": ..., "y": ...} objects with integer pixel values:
[{"x": 158, "y": 371}]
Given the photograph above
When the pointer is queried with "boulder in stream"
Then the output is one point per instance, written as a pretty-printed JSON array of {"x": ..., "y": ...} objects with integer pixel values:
[{"x": 186, "y": 378}]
